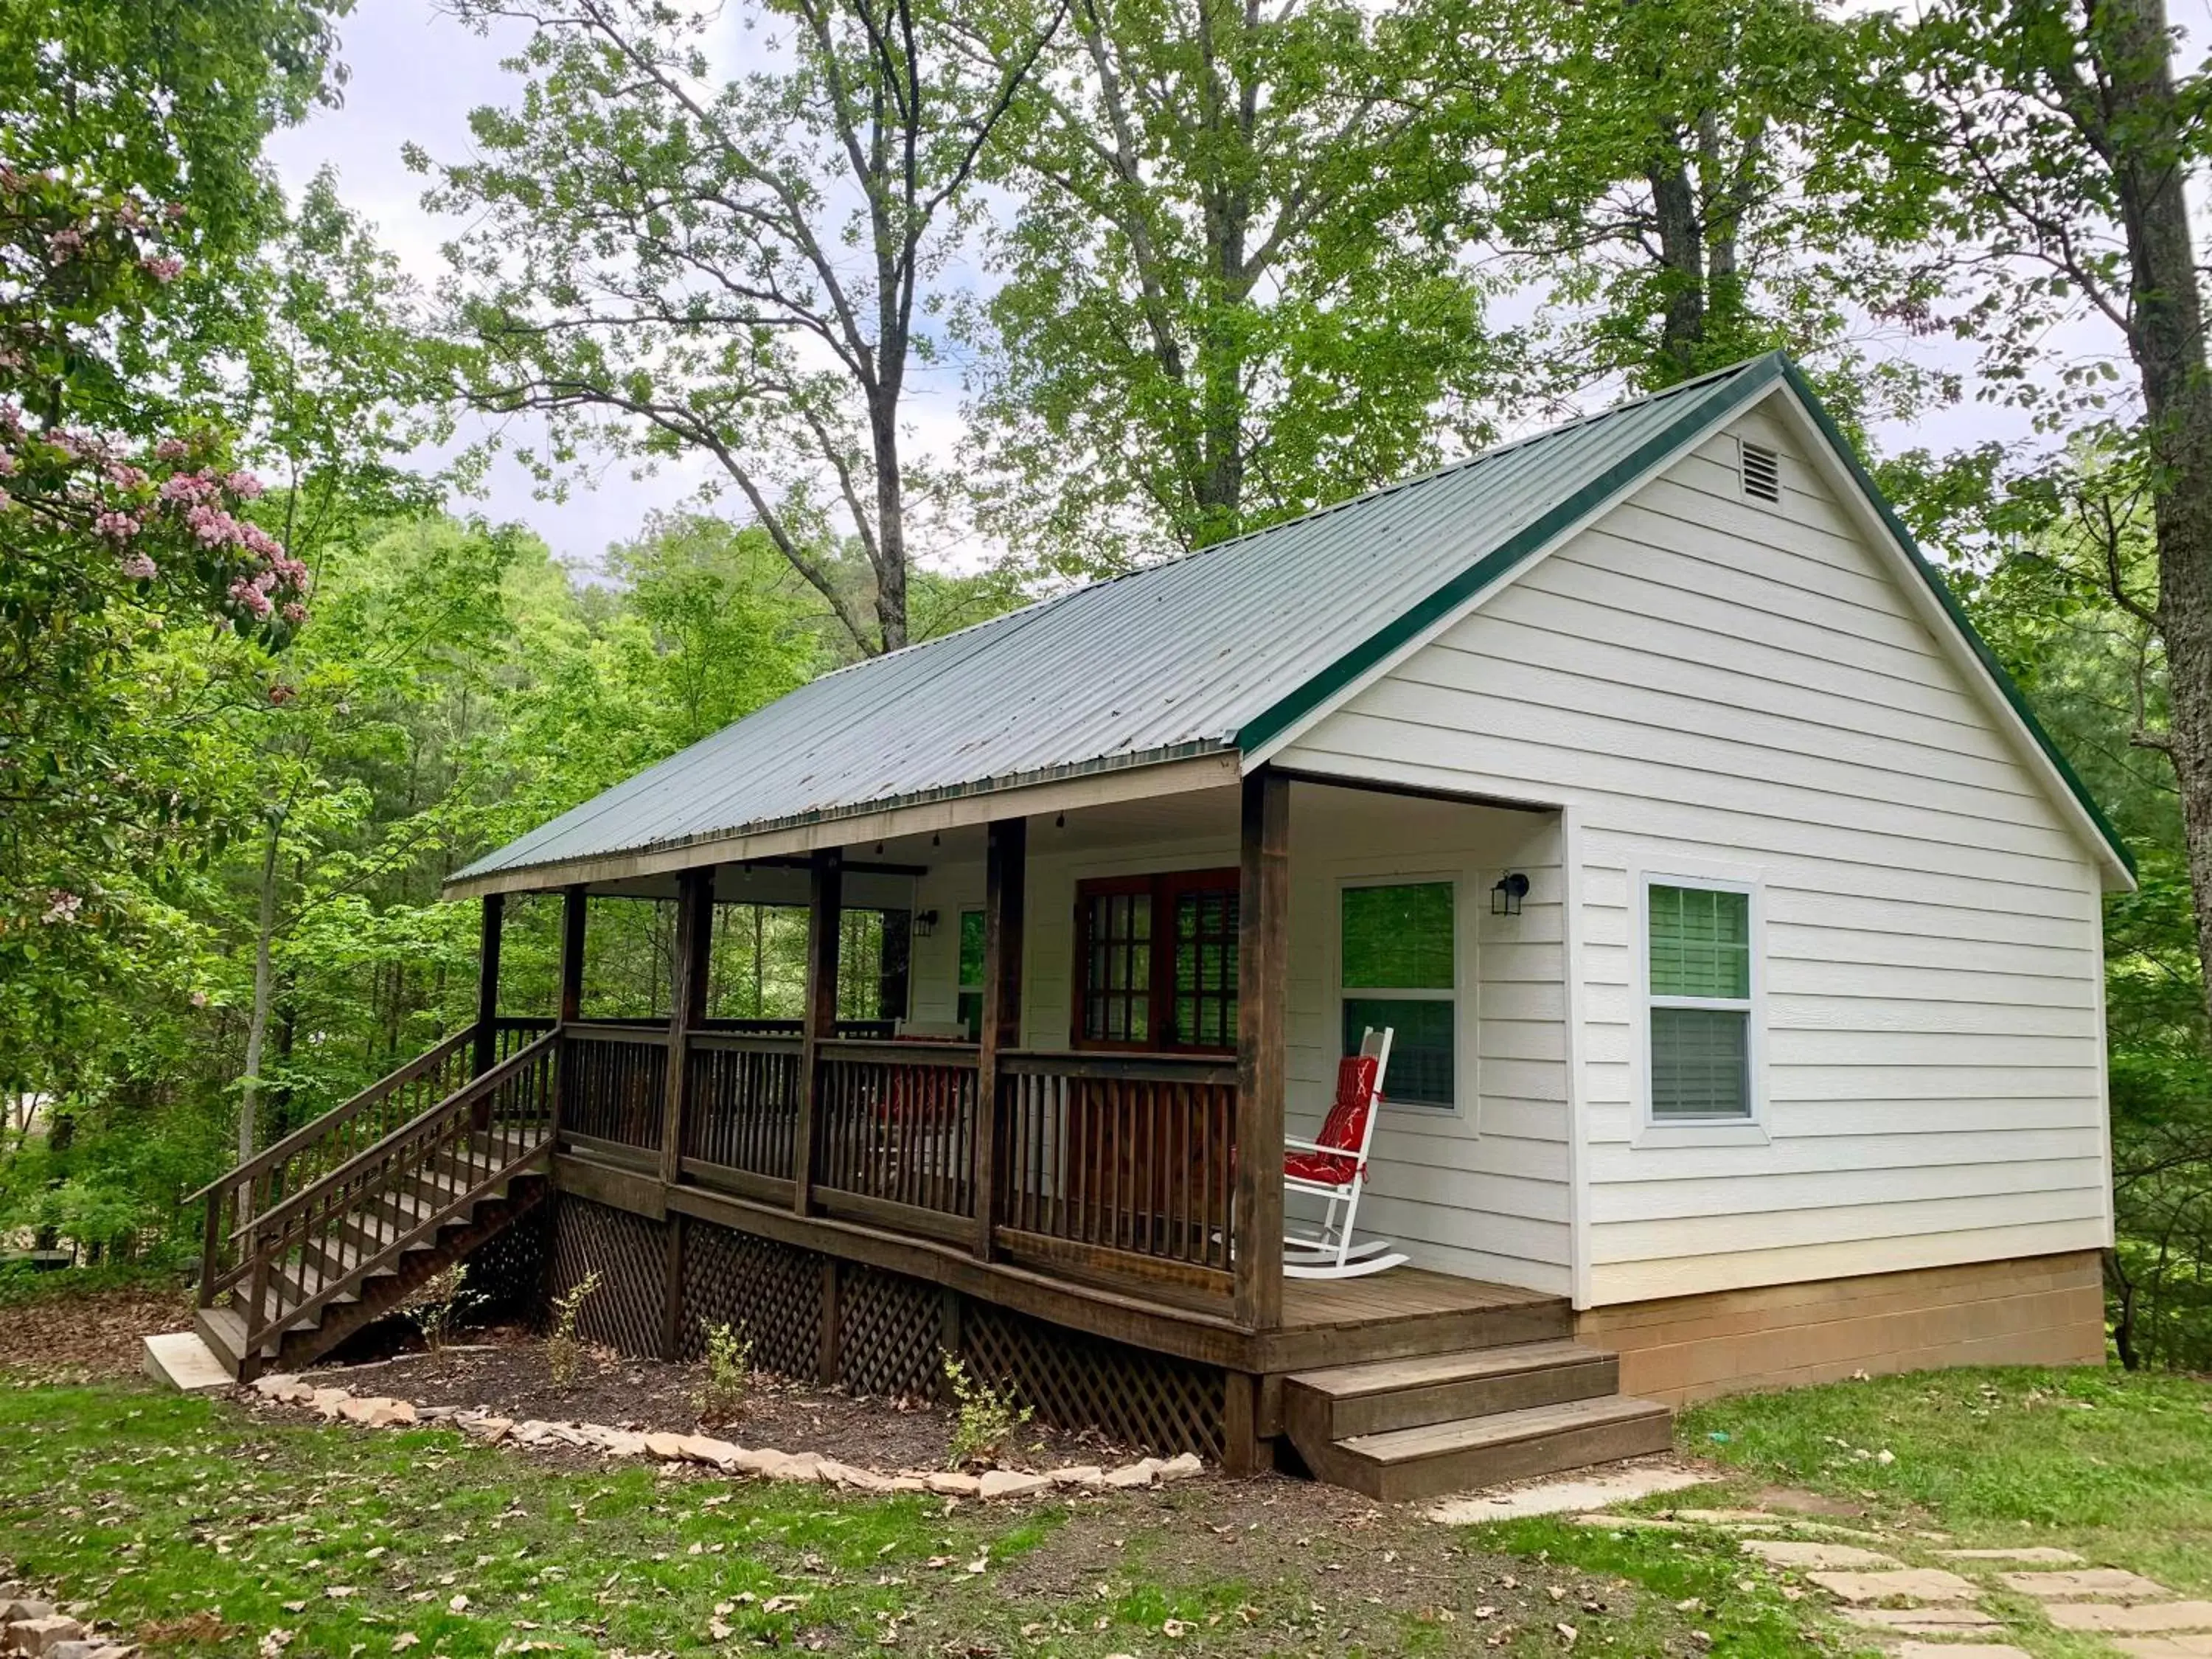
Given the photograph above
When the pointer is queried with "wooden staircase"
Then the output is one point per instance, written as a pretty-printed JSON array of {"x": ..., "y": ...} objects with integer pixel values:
[
  {"x": 1400, "y": 1429},
  {"x": 334, "y": 1225}
]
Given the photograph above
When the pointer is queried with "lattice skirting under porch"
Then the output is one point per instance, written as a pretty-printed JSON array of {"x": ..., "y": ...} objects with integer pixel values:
[{"x": 887, "y": 1333}]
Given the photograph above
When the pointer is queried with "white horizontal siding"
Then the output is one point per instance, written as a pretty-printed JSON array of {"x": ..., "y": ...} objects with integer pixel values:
[{"x": 1709, "y": 680}]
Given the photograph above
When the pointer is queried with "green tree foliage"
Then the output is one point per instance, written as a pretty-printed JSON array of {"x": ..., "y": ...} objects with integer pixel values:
[
  {"x": 665, "y": 265},
  {"x": 1230, "y": 286}
]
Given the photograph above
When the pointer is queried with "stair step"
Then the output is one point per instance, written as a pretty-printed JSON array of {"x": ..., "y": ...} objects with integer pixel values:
[
  {"x": 223, "y": 1330},
  {"x": 1343, "y": 1402},
  {"x": 1483, "y": 1451}
]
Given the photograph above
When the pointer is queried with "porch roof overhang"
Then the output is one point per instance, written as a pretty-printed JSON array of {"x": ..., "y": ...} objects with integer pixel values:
[{"x": 1183, "y": 675}]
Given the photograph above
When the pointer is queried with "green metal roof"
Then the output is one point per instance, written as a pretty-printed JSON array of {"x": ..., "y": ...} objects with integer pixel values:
[{"x": 1218, "y": 651}]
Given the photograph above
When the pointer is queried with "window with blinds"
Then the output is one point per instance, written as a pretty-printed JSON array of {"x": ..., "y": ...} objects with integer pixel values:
[{"x": 1699, "y": 944}]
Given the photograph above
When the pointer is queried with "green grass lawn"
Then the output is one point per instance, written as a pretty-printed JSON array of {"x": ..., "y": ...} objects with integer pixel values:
[
  {"x": 207, "y": 1527},
  {"x": 2116, "y": 1467}
]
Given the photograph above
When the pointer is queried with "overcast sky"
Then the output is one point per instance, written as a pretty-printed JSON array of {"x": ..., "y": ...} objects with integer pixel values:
[{"x": 414, "y": 76}]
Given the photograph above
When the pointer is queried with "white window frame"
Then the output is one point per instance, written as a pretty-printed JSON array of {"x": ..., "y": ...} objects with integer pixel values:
[
  {"x": 1462, "y": 1105},
  {"x": 1750, "y": 1129}
]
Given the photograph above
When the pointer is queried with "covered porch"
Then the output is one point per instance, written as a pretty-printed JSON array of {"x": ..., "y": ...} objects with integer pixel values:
[{"x": 1083, "y": 1034}]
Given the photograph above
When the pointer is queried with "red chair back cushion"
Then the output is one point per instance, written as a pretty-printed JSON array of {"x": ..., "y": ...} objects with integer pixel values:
[{"x": 1345, "y": 1127}]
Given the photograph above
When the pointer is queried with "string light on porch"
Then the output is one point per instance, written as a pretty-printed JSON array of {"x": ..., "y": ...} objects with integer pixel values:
[{"x": 1505, "y": 897}]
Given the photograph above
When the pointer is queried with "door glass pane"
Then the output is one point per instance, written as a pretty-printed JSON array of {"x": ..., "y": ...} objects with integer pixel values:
[
  {"x": 1399, "y": 938},
  {"x": 971, "y": 949},
  {"x": 1700, "y": 1062},
  {"x": 1421, "y": 1045},
  {"x": 1204, "y": 966}
]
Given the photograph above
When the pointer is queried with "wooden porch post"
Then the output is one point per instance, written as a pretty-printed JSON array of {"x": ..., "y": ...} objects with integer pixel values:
[
  {"x": 1263, "y": 963},
  {"x": 687, "y": 1007},
  {"x": 570, "y": 1008},
  {"x": 487, "y": 1045},
  {"x": 825, "y": 922},
  {"x": 1006, "y": 878}
]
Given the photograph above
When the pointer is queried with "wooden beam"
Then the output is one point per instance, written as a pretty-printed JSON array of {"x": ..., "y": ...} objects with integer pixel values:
[
  {"x": 575, "y": 910},
  {"x": 687, "y": 1007},
  {"x": 824, "y": 916},
  {"x": 1263, "y": 918},
  {"x": 1006, "y": 881},
  {"x": 487, "y": 1047}
]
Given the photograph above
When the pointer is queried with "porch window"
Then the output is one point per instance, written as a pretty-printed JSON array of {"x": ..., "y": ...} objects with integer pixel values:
[
  {"x": 1699, "y": 944},
  {"x": 1399, "y": 951},
  {"x": 969, "y": 1010},
  {"x": 1156, "y": 962}
]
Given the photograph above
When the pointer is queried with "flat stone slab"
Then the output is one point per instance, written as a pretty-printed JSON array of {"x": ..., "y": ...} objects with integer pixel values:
[
  {"x": 1596, "y": 1492},
  {"x": 2156, "y": 1618},
  {"x": 1903, "y": 1584},
  {"x": 1628, "y": 1522},
  {"x": 183, "y": 1361},
  {"x": 1923, "y": 1621},
  {"x": 2165, "y": 1647},
  {"x": 2048, "y": 1555},
  {"x": 1953, "y": 1651},
  {"x": 2059, "y": 1585},
  {"x": 1797, "y": 1553}
]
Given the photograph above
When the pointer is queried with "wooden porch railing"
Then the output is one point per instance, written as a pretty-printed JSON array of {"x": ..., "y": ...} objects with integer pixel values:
[
  {"x": 314, "y": 1150},
  {"x": 306, "y": 1251},
  {"x": 1107, "y": 1166},
  {"x": 1121, "y": 1165}
]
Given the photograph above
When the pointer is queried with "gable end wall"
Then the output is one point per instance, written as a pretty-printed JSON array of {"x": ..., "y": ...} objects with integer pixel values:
[{"x": 1719, "y": 684}]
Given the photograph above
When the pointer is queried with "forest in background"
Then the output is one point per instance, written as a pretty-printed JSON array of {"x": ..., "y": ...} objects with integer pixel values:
[{"x": 267, "y": 676}]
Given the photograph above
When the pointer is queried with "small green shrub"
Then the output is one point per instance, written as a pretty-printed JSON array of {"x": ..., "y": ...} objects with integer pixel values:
[
  {"x": 564, "y": 1354},
  {"x": 437, "y": 1305},
  {"x": 986, "y": 1419},
  {"x": 721, "y": 1396}
]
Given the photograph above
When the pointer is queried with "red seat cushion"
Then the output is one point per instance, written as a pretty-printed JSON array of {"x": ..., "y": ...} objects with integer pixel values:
[{"x": 1344, "y": 1128}]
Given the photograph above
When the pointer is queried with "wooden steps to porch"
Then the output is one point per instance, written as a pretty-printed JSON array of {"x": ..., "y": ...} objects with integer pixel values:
[
  {"x": 368, "y": 1278},
  {"x": 1400, "y": 1429},
  {"x": 344, "y": 1232}
]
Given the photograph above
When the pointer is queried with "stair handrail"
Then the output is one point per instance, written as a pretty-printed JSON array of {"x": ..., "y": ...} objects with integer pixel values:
[
  {"x": 253, "y": 1185},
  {"x": 319, "y": 1128},
  {"x": 483, "y": 1082},
  {"x": 271, "y": 1224}
]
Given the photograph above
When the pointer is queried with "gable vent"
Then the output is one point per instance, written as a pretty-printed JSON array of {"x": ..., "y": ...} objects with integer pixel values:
[{"x": 1762, "y": 472}]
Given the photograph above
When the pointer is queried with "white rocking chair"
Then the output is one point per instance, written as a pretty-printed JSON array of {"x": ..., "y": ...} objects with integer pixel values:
[{"x": 1334, "y": 1169}]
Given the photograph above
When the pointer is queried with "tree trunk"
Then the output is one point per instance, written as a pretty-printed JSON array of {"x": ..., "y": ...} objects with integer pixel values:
[
  {"x": 256, "y": 1027},
  {"x": 1682, "y": 258},
  {"x": 2165, "y": 338}
]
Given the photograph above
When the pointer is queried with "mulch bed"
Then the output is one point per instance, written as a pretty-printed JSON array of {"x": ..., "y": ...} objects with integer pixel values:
[{"x": 505, "y": 1369}]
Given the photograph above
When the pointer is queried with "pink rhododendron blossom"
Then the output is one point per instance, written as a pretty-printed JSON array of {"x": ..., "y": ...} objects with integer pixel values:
[
  {"x": 123, "y": 473},
  {"x": 62, "y": 907},
  {"x": 164, "y": 268},
  {"x": 250, "y": 598},
  {"x": 189, "y": 486},
  {"x": 140, "y": 568},
  {"x": 295, "y": 613},
  {"x": 9, "y": 465},
  {"x": 116, "y": 526},
  {"x": 64, "y": 245},
  {"x": 171, "y": 449},
  {"x": 199, "y": 999},
  {"x": 6, "y": 500},
  {"x": 280, "y": 694},
  {"x": 212, "y": 525},
  {"x": 243, "y": 485}
]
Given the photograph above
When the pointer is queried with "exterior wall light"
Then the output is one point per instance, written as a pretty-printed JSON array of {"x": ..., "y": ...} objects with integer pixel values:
[
  {"x": 925, "y": 923},
  {"x": 1505, "y": 897}
]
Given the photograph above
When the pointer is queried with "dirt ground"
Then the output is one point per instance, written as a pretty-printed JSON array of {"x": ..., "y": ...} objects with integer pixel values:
[
  {"x": 505, "y": 1369},
  {"x": 75, "y": 1338}
]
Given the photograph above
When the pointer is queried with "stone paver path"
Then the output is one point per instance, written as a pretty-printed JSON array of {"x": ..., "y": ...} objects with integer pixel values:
[
  {"x": 1800, "y": 1552},
  {"x": 2026, "y": 1554},
  {"x": 2139, "y": 1618},
  {"x": 2064, "y": 1586},
  {"x": 1899, "y": 1584},
  {"x": 1924, "y": 1621},
  {"x": 2166, "y": 1647},
  {"x": 1954, "y": 1650}
]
